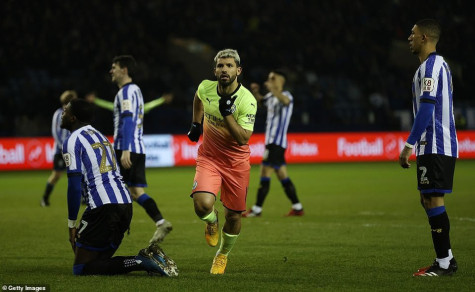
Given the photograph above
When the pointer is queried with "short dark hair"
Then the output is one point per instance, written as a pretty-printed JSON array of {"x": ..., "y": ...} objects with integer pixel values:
[
  {"x": 429, "y": 27},
  {"x": 82, "y": 110},
  {"x": 126, "y": 61}
]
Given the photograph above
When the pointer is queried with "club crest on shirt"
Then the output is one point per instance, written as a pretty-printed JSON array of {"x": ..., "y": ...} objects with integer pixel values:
[
  {"x": 126, "y": 105},
  {"x": 250, "y": 118},
  {"x": 427, "y": 84},
  {"x": 67, "y": 159}
]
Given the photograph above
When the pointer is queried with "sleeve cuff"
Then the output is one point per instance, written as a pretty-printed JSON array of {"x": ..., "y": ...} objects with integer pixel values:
[
  {"x": 409, "y": 145},
  {"x": 71, "y": 223}
]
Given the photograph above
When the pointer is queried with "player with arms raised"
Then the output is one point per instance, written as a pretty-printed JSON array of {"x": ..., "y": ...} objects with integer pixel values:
[{"x": 228, "y": 111}]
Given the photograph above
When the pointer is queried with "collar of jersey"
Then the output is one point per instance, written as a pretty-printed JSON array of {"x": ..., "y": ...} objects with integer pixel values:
[
  {"x": 127, "y": 84},
  {"x": 237, "y": 88}
]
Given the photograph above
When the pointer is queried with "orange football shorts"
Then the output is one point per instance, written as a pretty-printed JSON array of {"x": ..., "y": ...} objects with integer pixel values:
[{"x": 233, "y": 182}]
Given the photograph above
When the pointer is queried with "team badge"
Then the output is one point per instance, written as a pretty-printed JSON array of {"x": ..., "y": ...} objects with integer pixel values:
[
  {"x": 67, "y": 159},
  {"x": 126, "y": 105},
  {"x": 427, "y": 84}
]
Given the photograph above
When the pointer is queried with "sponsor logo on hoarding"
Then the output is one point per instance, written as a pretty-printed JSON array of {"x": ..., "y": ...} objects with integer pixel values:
[
  {"x": 157, "y": 143},
  {"x": 36, "y": 155},
  {"x": 168, "y": 150},
  {"x": 392, "y": 146},
  {"x": 189, "y": 151},
  {"x": 359, "y": 148},
  {"x": 303, "y": 149},
  {"x": 12, "y": 156},
  {"x": 158, "y": 150},
  {"x": 257, "y": 149},
  {"x": 466, "y": 145}
]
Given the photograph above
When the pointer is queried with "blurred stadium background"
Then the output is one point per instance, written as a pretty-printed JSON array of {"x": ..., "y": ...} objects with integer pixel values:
[
  {"x": 350, "y": 65},
  {"x": 351, "y": 71}
]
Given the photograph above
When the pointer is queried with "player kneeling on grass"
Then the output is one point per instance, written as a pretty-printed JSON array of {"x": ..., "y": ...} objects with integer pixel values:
[{"x": 92, "y": 172}]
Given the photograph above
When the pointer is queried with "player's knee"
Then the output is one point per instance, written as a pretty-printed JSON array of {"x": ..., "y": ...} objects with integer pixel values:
[
  {"x": 136, "y": 192},
  {"x": 201, "y": 211},
  {"x": 233, "y": 217},
  {"x": 423, "y": 202},
  {"x": 428, "y": 199},
  {"x": 134, "y": 196},
  {"x": 56, "y": 177},
  {"x": 203, "y": 204}
]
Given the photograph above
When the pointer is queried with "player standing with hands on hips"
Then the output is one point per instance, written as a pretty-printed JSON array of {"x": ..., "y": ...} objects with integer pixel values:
[
  {"x": 434, "y": 139},
  {"x": 279, "y": 103},
  {"x": 227, "y": 111},
  {"x": 128, "y": 142},
  {"x": 93, "y": 172}
]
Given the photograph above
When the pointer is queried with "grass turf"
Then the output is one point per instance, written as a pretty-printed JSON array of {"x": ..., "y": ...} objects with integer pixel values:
[{"x": 363, "y": 229}]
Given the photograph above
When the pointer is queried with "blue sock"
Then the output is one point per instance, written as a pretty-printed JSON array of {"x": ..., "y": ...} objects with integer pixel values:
[
  {"x": 150, "y": 207},
  {"x": 290, "y": 191},
  {"x": 263, "y": 191},
  {"x": 77, "y": 269},
  {"x": 440, "y": 229},
  {"x": 435, "y": 211},
  {"x": 142, "y": 199}
]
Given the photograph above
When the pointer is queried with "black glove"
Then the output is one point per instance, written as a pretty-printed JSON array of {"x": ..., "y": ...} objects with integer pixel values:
[
  {"x": 195, "y": 132},
  {"x": 226, "y": 105}
]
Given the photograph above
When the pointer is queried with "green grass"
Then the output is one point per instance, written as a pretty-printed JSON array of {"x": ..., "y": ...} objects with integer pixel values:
[{"x": 363, "y": 229}]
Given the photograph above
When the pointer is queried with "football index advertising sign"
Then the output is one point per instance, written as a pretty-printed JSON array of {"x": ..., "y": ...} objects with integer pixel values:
[
  {"x": 177, "y": 150},
  {"x": 158, "y": 150}
]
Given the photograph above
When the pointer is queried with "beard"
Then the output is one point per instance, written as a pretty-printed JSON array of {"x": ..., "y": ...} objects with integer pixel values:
[{"x": 224, "y": 83}]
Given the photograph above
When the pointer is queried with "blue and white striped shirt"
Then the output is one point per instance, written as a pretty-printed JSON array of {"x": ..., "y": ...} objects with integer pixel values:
[
  {"x": 278, "y": 119},
  {"x": 89, "y": 153},
  {"x": 432, "y": 83},
  {"x": 129, "y": 102},
  {"x": 59, "y": 135}
]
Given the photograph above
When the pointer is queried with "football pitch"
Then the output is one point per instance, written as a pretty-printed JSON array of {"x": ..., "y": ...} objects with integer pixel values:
[{"x": 363, "y": 229}]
